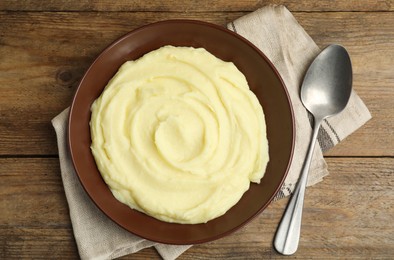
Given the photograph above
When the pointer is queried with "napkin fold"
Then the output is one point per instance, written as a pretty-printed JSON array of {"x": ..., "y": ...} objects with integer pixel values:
[{"x": 274, "y": 30}]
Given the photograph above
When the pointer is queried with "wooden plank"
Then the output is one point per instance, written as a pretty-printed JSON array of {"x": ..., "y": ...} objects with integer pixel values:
[
  {"x": 194, "y": 6},
  {"x": 347, "y": 215},
  {"x": 43, "y": 56},
  {"x": 32, "y": 185}
]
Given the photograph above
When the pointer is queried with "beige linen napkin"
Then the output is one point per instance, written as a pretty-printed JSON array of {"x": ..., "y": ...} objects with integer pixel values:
[{"x": 274, "y": 31}]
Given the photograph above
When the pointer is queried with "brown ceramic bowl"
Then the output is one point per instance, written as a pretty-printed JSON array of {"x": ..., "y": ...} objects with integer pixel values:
[{"x": 263, "y": 79}]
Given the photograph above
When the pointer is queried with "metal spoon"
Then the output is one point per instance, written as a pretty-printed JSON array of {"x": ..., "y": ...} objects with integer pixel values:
[{"x": 325, "y": 92}]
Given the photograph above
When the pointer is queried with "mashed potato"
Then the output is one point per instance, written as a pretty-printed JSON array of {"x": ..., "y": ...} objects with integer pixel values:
[{"x": 178, "y": 135}]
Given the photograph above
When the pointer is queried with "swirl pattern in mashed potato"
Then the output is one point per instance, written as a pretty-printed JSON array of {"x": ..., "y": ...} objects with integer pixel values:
[{"x": 178, "y": 135}]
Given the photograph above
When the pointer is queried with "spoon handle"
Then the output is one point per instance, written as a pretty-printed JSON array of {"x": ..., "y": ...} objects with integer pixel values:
[{"x": 288, "y": 233}]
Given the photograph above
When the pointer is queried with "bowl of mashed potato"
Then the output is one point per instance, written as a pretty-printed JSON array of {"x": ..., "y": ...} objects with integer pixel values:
[{"x": 181, "y": 132}]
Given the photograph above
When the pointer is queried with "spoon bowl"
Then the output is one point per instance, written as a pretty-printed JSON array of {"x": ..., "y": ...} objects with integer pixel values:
[
  {"x": 328, "y": 82},
  {"x": 325, "y": 92}
]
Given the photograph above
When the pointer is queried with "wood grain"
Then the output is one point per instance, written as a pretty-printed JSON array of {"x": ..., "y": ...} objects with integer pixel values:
[
  {"x": 348, "y": 215},
  {"x": 44, "y": 55},
  {"x": 193, "y": 6}
]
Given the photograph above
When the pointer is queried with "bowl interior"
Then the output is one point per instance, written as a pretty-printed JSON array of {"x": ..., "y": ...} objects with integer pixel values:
[{"x": 264, "y": 81}]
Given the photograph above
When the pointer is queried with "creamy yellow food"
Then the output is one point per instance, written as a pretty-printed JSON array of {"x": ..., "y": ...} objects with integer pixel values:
[{"x": 178, "y": 135}]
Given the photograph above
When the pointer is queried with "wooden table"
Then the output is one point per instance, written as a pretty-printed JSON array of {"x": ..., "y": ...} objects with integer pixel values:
[{"x": 45, "y": 47}]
